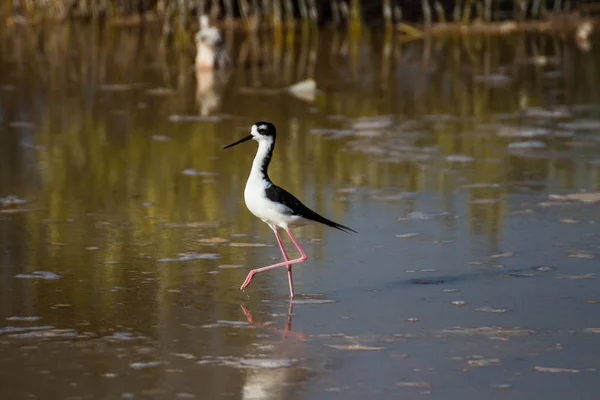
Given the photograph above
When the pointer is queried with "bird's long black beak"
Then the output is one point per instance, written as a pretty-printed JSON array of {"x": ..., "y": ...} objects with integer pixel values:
[{"x": 239, "y": 141}]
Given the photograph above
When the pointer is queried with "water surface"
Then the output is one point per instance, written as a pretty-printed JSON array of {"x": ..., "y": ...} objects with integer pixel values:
[{"x": 460, "y": 162}]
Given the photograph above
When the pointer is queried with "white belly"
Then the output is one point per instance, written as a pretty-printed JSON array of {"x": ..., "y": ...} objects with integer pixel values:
[{"x": 273, "y": 214}]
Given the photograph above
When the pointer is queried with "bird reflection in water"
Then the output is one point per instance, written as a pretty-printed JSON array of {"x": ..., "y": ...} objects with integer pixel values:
[
  {"x": 278, "y": 378},
  {"x": 582, "y": 35},
  {"x": 212, "y": 67},
  {"x": 288, "y": 326}
]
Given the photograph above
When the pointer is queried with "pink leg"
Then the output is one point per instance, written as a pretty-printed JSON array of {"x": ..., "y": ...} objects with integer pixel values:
[
  {"x": 287, "y": 263},
  {"x": 286, "y": 258}
]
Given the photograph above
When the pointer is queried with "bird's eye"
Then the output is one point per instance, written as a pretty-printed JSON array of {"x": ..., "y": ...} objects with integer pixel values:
[{"x": 262, "y": 131}]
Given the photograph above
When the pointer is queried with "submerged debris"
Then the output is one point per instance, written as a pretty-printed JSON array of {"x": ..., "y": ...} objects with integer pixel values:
[
  {"x": 203, "y": 224},
  {"x": 592, "y": 330},
  {"x": 21, "y": 125},
  {"x": 372, "y": 123},
  {"x": 46, "y": 334},
  {"x": 576, "y": 277},
  {"x": 569, "y": 221},
  {"x": 312, "y": 301},
  {"x": 556, "y": 370},
  {"x": 17, "y": 329},
  {"x": 241, "y": 244},
  {"x": 160, "y": 138},
  {"x": 213, "y": 240},
  {"x": 225, "y": 323},
  {"x": 518, "y": 275},
  {"x": 503, "y": 386},
  {"x": 241, "y": 362},
  {"x": 543, "y": 268},
  {"x": 420, "y": 385},
  {"x": 355, "y": 347},
  {"x": 590, "y": 197},
  {"x": 582, "y": 124},
  {"x": 120, "y": 87},
  {"x": 482, "y": 185},
  {"x": 486, "y": 201},
  {"x": 484, "y": 362},
  {"x": 410, "y": 271},
  {"x": 332, "y": 133},
  {"x": 531, "y": 144},
  {"x": 148, "y": 364},
  {"x": 394, "y": 197},
  {"x": 426, "y": 281},
  {"x": 12, "y": 201},
  {"x": 123, "y": 336},
  {"x": 492, "y": 310},
  {"x": 230, "y": 266},
  {"x": 194, "y": 118},
  {"x": 46, "y": 275},
  {"x": 28, "y": 319},
  {"x": 488, "y": 331},
  {"x": 459, "y": 158},
  {"x": 190, "y": 256},
  {"x": 423, "y": 216},
  {"x": 160, "y": 91},
  {"x": 185, "y": 356},
  {"x": 506, "y": 254},
  {"x": 193, "y": 172},
  {"x": 513, "y": 132},
  {"x": 582, "y": 254},
  {"x": 409, "y": 235}
]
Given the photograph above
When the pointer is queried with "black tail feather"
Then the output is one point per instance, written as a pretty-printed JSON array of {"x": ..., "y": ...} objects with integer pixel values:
[
  {"x": 313, "y": 216},
  {"x": 282, "y": 196},
  {"x": 343, "y": 228}
]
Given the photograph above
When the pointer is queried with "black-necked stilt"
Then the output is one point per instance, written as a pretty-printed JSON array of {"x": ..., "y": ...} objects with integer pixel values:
[{"x": 273, "y": 205}]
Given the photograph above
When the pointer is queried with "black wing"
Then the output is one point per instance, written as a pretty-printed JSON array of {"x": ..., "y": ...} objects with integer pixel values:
[{"x": 280, "y": 195}]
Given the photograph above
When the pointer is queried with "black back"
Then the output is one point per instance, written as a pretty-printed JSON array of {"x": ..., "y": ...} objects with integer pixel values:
[{"x": 295, "y": 207}]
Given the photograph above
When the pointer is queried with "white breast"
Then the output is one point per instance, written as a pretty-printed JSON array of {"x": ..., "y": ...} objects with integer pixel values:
[{"x": 270, "y": 212}]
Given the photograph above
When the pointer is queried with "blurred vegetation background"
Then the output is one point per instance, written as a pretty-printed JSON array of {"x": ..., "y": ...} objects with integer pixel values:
[{"x": 265, "y": 14}]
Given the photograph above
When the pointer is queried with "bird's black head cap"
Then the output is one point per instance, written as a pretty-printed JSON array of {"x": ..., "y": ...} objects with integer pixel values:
[{"x": 262, "y": 128}]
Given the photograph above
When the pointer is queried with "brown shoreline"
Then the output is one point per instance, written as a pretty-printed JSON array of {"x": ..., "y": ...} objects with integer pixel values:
[
  {"x": 559, "y": 23},
  {"x": 507, "y": 27}
]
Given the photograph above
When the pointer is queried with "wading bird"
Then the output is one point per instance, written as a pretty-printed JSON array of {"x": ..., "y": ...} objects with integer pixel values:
[
  {"x": 273, "y": 205},
  {"x": 210, "y": 47}
]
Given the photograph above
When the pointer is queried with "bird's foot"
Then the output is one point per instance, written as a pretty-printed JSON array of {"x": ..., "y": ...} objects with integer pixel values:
[{"x": 248, "y": 280}]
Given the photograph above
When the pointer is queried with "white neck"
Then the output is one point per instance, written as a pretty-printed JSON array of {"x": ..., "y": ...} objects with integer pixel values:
[{"x": 261, "y": 161}]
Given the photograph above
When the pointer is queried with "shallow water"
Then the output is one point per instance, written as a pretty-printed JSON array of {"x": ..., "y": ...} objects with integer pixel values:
[{"x": 470, "y": 169}]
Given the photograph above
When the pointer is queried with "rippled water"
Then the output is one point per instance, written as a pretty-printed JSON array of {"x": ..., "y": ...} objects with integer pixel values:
[{"x": 470, "y": 168}]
